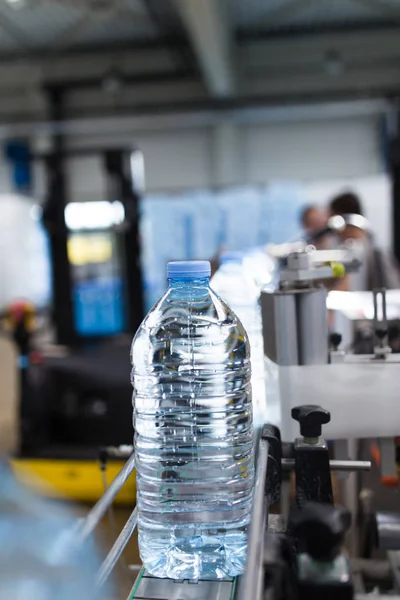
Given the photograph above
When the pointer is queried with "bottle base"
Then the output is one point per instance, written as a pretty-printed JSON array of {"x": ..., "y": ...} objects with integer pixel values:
[{"x": 197, "y": 557}]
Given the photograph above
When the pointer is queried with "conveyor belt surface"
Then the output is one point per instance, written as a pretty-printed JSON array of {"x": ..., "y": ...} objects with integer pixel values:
[{"x": 151, "y": 588}]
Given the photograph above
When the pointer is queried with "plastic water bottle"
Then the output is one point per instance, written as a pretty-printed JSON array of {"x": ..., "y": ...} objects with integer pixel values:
[
  {"x": 236, "y": 286},
  {"x": 264, "y": 271},
  {"x": 261, "y": 268},
  {"x": 193, "y": 431},
  {"x": 40, "y": 557}
]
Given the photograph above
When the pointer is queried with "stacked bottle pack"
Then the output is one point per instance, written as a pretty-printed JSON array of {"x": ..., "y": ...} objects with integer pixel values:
[{"x": 239, "y": 282}]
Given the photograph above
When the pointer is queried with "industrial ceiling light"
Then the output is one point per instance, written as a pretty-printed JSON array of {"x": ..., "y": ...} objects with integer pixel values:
[
  {"x": 16, "y": 3},
  {"x": 98, "y": 214},
  {"x": 333, "y": 63}
]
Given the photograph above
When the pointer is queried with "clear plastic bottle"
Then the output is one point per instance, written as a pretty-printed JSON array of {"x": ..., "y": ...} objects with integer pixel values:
[
  {"x": 261, "y": 268},
  {"x": 236, "y": 286},
  {"x": 40, "y": 556},
  {"x": 193, "y": 431}
]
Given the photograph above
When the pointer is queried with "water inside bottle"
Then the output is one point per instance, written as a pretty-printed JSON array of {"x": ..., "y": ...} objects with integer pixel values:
[{"x": 193, "y": 435}]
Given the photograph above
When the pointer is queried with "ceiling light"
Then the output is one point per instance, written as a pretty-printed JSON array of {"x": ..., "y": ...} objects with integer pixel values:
[
  {"x": 16, "y": 3},
  {"x": 93, "y": 215}
]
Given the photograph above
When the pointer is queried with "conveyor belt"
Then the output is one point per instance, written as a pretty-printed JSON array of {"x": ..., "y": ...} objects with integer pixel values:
[{"x": 151, "y": 588}]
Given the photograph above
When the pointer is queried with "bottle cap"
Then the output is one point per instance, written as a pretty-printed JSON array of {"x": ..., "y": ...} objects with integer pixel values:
[
  {"x": 188, "y": 269},
  {"x": 236, "y": 257}
]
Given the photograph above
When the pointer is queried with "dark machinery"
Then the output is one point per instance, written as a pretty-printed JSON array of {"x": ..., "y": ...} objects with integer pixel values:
[
  {"x": 300, "y": 556},
  {"x": 97, "y": 295},
  {"x": 297, "y": 547},
  {"x": 76, "y": 397},
  {"x": 295, "y": 556},
  {"x": 94, "y": 253}
]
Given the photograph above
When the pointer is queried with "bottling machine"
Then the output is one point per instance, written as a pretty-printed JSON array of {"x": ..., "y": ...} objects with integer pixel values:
[{"x": 298, "y": 550}]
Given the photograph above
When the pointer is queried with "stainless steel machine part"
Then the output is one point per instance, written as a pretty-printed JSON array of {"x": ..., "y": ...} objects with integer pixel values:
[
  {"x": 279, "y": 328},
  {"x": 387, "y": 449},
  {"x": 388, "y": 525},
  {"x": 381, "y": 345},
  {"x": 312, "y": 326},
  {"x": 302, "y": 269},
  {"x": 251, "y": 584},
  {"x": 295, "y": 326},
  {"x": 335, "y": 465}
]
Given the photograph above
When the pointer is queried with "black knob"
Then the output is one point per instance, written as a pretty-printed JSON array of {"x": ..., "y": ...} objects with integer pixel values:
[
  {"x": 321, "y": 528},
  {"x": 335, "y": 339},
  {"x": 311, "y": 419},
  {"x": 381, "y": 334},
  {"x": 274, "y": 469}
]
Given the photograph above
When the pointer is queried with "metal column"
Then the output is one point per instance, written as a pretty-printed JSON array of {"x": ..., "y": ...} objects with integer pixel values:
[
  {"x": 117, "y": 165},
  {"x": 54, "y": 221},
  {"x": 391, "y": 127}
]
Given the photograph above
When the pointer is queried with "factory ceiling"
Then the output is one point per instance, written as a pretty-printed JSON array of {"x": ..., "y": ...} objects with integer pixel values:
[{"x": 185, "y": 54}]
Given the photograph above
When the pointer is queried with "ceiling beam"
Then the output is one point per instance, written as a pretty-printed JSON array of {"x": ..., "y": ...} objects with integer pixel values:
[
  {"x": 211, "y": 39},
  {"x": 177, "y": 117},
  {"x": 280, "y": 11},
  {"x": 381, "y": 7},
  {"x": 386, "y": 9},
  {"x": 15, "y": 32},
  {"x": 135, "y": 79}
]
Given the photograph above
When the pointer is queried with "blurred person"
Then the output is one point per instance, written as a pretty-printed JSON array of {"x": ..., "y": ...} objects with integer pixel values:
[
  {"x": 378, "y": 268},
  {"x": 314, "y": 220},
  {"x": 348, "y": 203}
]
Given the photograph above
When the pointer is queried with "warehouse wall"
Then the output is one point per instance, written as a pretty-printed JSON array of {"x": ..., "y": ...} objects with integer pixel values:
[
  {"x": 316, "y": 150},
  {"x": 327, "y": 155},
  {"x": 236, "y": 154}
]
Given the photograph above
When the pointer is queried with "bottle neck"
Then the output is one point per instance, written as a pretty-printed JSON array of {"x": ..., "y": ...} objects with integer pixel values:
[
  {"x": 186, "y": 284},
  {"x": 232, "y": 263}
]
